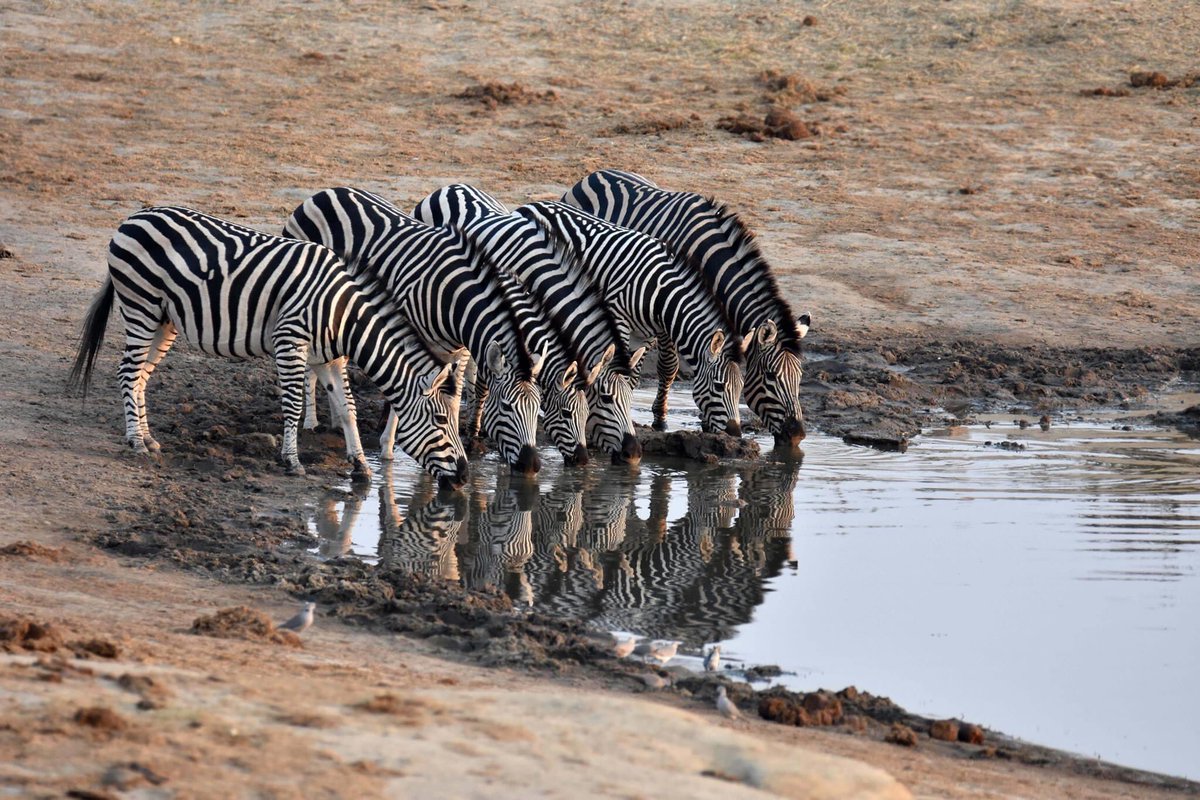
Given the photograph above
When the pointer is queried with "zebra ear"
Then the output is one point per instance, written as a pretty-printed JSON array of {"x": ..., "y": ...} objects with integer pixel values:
[
  {"x": 768, "y": 332},
  {"x": 636, "y": 357},
  {"x": 802, "y": 323},
  {"x": 495, "y": 358},
  {"x": 538, "y": 359},
  {"x": 716, "y": 344},
  {"x": 434, "y": 382},
  {"x": 569, "y": 375},
  {"x": 747, "y": 338},
  {"x": 600, "y": 364}
]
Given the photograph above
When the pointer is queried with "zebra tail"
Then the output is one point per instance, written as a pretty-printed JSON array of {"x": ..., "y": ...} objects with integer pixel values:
[{"x": 91, "y": 336}]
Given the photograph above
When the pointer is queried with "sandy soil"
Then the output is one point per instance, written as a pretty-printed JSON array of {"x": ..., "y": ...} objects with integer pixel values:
[{"x": 965, "y": 211}]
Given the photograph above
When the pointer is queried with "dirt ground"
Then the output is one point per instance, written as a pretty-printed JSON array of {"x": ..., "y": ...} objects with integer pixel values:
[{"x": 969, "y": 223}]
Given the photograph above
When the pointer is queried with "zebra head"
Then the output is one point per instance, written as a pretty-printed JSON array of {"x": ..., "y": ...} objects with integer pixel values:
[
  {"x": 773, "y": 382},
  {"x": 510, "y": 410},
  {"x": 717, "y": 387},
  {"x": 427, "y": 428},
  {"x": 609, "y": 396},
  {"x": 564, "y": 415}
]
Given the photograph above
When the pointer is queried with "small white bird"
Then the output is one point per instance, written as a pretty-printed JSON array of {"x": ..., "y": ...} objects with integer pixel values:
[
  {"x": 726, "y": 706},
  {"x": 654, "y": 681},
  {"x": 661, "y": 651},
  {"x": 712, "y": 661},
  {"x": 623, "y": 647},
  {"x": 302, "y": 621}
]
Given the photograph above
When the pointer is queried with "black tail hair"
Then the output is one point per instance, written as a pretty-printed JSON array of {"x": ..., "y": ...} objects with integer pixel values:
[{"x": 91, "y": 336}]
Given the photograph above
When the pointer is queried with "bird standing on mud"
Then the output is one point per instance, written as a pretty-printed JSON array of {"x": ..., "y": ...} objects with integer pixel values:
[
  {"x": 712, "y": 661},
  {"x": 660, "y": 651},
  {"x": 623, "y": 647},
  {"x": 726, "y": 706},
  {"x": 302, "y": 621}
]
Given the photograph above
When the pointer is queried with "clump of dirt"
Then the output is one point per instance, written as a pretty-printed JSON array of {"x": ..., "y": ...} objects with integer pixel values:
[
  {"x": 241, "y": 622},
  {"x": 101, "y": 719},
  {"x": 814, "y": 708},
  {"x": 1140, "y": 79},
  {"x": 153, "y": 693},
  {"x": 38, "y": 552},
  {"x": 495, "y": 93},
  {"x": 1105, "y": 91},
  {"x": 102, "y": 648},
  {"x": 779, "y": 123},
  {"x": 902, "y": 735},
  {"x": 18, "y": 635},
  {"x": 696, "y": 445},
  {"x": 945, "y": 730},
  {"x": 658, "y": 124},
  {"x": 791, "y": 89}
]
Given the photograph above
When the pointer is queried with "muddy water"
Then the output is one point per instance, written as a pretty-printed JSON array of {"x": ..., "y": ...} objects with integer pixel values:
[{"x": 1052, "y": 593}]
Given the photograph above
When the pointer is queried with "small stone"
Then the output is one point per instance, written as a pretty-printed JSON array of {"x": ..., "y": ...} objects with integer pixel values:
[
  {"x": 945, "y": 730},
  {"x": 901, "y": 735},
  {"x": 969, "y": 733}
]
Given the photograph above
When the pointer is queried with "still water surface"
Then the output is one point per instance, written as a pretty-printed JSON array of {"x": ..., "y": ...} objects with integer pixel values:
[{"x": 1051, "y": 593}]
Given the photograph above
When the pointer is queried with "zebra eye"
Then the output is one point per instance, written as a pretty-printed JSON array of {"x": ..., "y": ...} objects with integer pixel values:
[
  {"x": 605, "y": 398},
  {"x": 441, "y": 419},
  {"x": 719, "y": 385}
]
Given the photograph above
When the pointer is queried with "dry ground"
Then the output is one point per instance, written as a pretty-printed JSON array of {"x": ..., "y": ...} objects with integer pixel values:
[{"x": 961, "y": 189}]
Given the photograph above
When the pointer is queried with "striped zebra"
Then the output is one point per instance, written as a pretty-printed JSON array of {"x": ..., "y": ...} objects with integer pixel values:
[
  {"x": 235, "y": 292},
  {"x": 733, "y": 266},
  {"x": 451, "y": 294},
  {"x": 661, "y": 297},
  {"x": 566, "y": 296}
]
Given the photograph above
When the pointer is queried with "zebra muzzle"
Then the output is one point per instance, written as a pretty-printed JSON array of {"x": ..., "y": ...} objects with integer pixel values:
[{"x": 528, "y": 462}]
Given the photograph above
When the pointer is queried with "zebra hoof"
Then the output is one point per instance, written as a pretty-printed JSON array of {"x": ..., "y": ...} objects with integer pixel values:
[
  {"x": 152, "y": 445},
  {"x": 659, "y": 425},
  {"x": 138, "y": 447},
  {"x": 296, "y": 469}
]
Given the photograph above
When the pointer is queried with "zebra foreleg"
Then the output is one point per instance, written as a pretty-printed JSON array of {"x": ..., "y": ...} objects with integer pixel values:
[
  {"x": 290, "y": 358},
  {"x": 668, "y": 370},
  {"x": 341, "y": 408}
]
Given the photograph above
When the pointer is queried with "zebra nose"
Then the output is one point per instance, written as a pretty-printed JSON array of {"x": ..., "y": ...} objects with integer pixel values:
[
  {"x": 579, "y": 457},
  {"x": 791, "y": 433},
  {"x": 527, "y": 462},
  {"x": 631, "y": 451},
  {"x": 461, "y": 470},
  {"x": 733, "y": 428}
]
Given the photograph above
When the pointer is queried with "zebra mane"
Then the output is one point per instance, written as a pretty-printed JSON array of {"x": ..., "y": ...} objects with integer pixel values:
[
  {"x": 572, "y": 265},
  {"x": 756, "y": 268},
  {"x": 485, "y": 266},
  {"x": 692, "y": 262}
]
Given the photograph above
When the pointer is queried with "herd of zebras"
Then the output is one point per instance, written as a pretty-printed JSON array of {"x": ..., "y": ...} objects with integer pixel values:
[{"x": 541, "y": 308}]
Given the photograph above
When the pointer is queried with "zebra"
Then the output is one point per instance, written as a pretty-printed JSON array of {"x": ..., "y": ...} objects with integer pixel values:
[
  {"x": 235, "y": 292},
  {"x": 451, "y": 293},
  {"x": 660, "y": 297},
  {"x": 500, "y": 542},
  {"x": 566, "y": 295},
  {"x": 735, "y": 269}
]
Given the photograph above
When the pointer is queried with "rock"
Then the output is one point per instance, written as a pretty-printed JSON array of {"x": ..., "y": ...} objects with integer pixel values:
[
  {"x": 696, "y": 445},
  {"x": 945, "y": 730},
  {"x": 823, "y": 708},
  {"x": 101, "y": 718},
  {"x": 260, "y": 444},
  {"x": 1155, "y": 80},
  {"x": 969, "y": 733},
  {"x": 901, "y": 735},
  {"x": 879, "y": 438}
]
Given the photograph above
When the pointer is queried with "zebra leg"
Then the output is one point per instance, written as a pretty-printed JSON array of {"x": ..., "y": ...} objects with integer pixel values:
[
  {"x": 475, "y": 417},
  {"x": 310, "y": 400},
  {"x": 143, "y": 350},
  {"x": 668, "y": 370},
  {"x": 387, "y": 439},
  {"x": 291, "y": 356},
  {"x": 341, "y": 408}
]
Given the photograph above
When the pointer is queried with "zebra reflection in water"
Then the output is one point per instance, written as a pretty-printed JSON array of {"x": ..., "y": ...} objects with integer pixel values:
[
  {"x": 334, "y": 534},
  {"x": 667, "y": 552},
  {"x": 425, "y": 541}
]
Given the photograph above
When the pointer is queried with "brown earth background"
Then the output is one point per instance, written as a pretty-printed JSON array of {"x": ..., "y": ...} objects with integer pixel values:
[{"x": 965, "y": 204}]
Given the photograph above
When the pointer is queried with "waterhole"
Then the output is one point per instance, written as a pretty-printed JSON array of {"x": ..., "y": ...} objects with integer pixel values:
[{"x": 1050, "y": 592}]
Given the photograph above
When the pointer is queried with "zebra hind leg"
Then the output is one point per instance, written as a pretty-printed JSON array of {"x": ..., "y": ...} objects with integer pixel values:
[
  {"x": 290, "y": 358},
  {"x": 668, "y": 370},
  {"x": 143, "y": 351}
]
